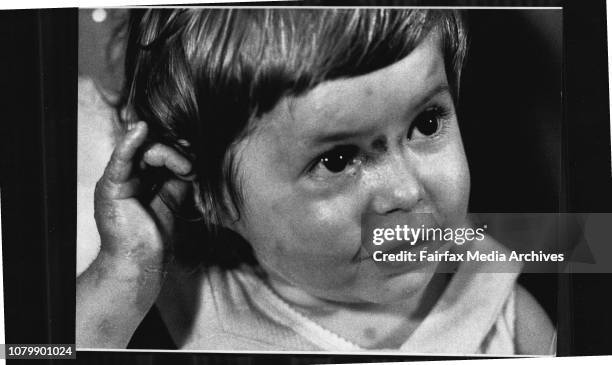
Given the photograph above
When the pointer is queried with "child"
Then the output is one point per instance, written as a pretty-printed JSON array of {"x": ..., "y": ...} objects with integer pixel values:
[{"x": 296, "y": 131}]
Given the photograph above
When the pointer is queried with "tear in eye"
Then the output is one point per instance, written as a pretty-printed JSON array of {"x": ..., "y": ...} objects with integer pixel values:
[
  {"x": 338, "y": 158},
  {"x": 426, "y": 124}
]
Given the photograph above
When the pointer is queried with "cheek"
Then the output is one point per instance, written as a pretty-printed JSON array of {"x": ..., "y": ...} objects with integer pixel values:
[
  {"x": 300, "y": 226},
  {"x": 296, "y": 236},
  {"x": 447, "y": 182},
  {"x": 309, "y": 244}
]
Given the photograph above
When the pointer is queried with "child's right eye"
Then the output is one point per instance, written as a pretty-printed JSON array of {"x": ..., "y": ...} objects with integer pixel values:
[{"x": 335, "y": 161}]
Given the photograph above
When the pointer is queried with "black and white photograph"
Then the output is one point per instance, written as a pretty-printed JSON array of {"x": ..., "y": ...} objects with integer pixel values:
[
  {"x": 231, "y": 160},
  {"x": 306, "y": 182}
]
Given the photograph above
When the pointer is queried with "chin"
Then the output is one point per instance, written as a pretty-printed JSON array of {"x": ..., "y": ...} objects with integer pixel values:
[
  {"x": 408, "y": 285},
  {"x": 395, "y": 288}
]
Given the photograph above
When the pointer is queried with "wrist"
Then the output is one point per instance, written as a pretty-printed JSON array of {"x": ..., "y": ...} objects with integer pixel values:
[{"x": 126, "y": 267}]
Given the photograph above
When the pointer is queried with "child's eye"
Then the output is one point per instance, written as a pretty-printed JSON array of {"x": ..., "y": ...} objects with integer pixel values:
[
  {"x": 336, "y": 160},
  {"x": 427, "y": 124}
]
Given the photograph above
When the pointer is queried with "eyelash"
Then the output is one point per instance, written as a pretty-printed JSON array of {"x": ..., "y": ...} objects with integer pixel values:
[
  {"x": 346, "y": 154},
  {"x": 441, "y": 114},
  {"x": 349, "y": 154}
]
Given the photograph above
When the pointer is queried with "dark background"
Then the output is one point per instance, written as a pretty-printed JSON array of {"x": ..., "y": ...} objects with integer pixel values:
[{"x": 534, "y": 115}]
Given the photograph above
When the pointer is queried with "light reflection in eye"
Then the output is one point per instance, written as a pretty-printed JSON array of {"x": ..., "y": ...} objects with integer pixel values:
[{"x": 338, "y": 158}]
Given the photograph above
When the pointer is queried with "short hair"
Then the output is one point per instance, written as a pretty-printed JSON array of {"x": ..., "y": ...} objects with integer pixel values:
[{"x": 204, "y": 75}]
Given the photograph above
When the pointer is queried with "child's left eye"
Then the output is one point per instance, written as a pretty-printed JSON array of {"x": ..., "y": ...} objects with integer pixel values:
[{"x": 427, "y": 124}]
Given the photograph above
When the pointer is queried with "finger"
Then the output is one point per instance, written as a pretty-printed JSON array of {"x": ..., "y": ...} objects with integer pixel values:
[
  {"x": 168, "y": 202},
  {"x": 160, "y": 155},
  {"x": 171, "y": 195},
  {"x": 110, "y": 190},
  {"x": 175, "y": 191},
  {"x": 120, "y": 166}
]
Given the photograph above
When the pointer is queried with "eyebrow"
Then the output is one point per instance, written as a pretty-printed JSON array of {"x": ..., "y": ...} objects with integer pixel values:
[{"x": 342, "y": 135}]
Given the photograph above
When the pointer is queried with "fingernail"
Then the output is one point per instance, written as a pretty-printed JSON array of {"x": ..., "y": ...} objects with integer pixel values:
[
  {"x": 135, "y": 126},
  {"x": 186, "y": 171},
  {"x": 183, "y": 142}
]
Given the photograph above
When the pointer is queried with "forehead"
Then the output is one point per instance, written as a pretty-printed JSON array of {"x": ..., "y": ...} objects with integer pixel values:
[{"x": 361, "y": 102}]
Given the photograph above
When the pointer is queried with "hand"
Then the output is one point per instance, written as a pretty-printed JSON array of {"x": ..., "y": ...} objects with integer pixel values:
[{"x": 136, "y": 226}]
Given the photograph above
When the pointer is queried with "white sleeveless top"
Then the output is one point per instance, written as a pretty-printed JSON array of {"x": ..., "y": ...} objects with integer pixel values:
[{"x": 238, "y": 311}]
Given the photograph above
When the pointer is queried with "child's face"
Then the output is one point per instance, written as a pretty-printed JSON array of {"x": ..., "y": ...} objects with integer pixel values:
[{"x": 353, "y": 153}]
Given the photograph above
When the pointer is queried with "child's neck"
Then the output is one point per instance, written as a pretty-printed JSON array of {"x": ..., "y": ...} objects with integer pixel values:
[{"x": 368, "y": 325}]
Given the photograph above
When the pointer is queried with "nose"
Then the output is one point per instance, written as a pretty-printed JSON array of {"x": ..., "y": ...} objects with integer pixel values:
[{"x": 396, "y": 186}]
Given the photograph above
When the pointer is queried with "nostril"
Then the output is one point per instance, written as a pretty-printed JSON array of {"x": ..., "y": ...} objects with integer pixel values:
[{"x": 395, "y": 210}]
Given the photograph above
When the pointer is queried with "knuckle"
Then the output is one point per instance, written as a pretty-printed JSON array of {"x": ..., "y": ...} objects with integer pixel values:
[
  {"x": 106, "y": 190},
  {"x": 115, "y": 155},
  {"x": 105, "y": 213},
  {"x": 99, "y": 189}
]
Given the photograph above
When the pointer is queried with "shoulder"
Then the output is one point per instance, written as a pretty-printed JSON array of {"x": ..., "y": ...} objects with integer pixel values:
[{"x": 535, "y": 333}]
